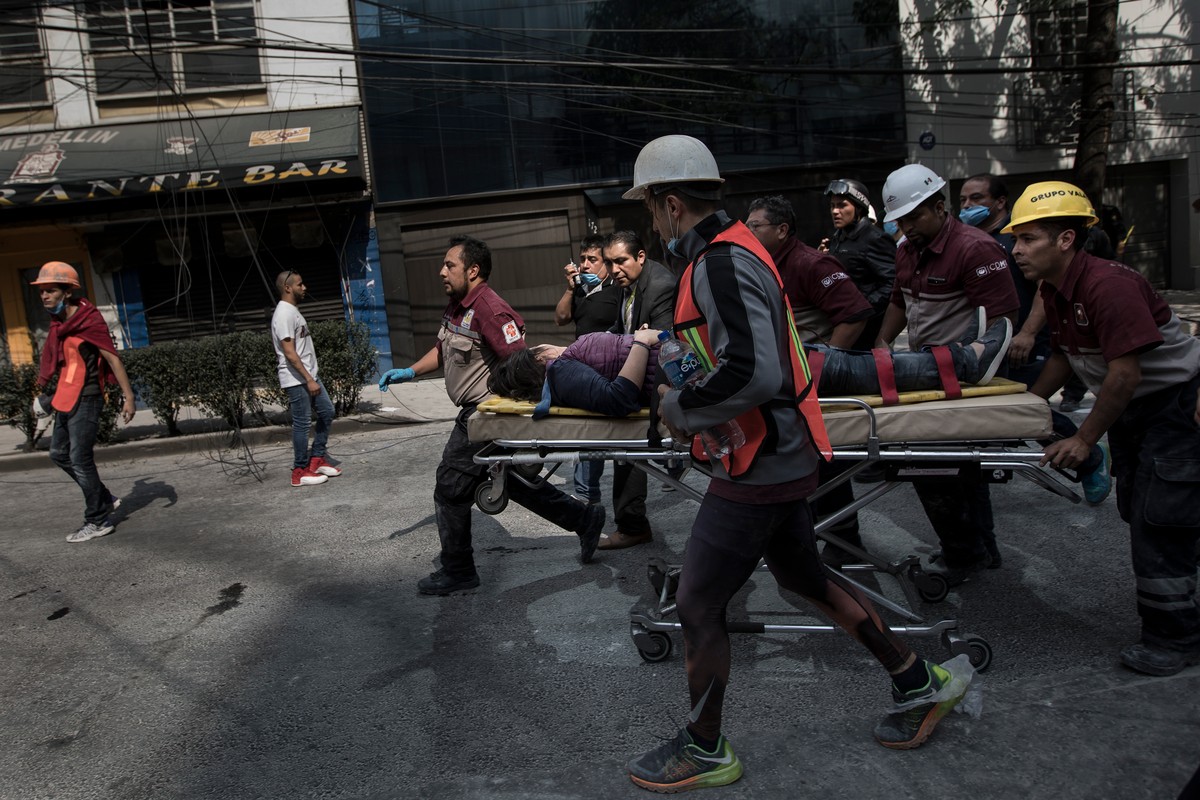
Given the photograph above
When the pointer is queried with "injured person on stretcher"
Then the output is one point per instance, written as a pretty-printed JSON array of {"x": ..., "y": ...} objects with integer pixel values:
[{"x": 614, "y": 374}]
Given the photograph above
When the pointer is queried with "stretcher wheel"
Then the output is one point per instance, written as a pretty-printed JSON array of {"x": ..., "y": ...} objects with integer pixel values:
[
  {"x": 932, "y": 587},
  {"x": 527, "y": 471},
  {"x": 654, "y": 646},
  {"x": 490, "y": 503},
  {"x": 979, "y": 651}
]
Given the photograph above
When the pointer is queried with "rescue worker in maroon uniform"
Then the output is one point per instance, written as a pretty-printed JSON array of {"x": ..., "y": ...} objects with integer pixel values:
[
  {"x": 79, "y": 351},
  {"x": 478, "y": 330},
  {"x": 828, "y": 309},
  {"x": 732, "y": 310},
  {"x": 945, "y": 271},
  {"x": 1119, "y": 336}
]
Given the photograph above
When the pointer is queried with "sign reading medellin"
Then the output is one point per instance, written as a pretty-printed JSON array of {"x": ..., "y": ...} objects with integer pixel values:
[{"x": 48, "y": 168}]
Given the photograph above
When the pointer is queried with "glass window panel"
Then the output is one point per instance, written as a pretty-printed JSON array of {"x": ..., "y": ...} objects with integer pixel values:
[
  {"x": 20, "y": 39},
  {"x": 23, "y": 84},
  {"x": 214, "y": 69},
  {"x": 236, "y": 23},
  {"x": 125, "y": 74},
  {"x": 107, "y": 32},
  {"x": 190, "y": 25},
  {"x": 522, "y": 125}
]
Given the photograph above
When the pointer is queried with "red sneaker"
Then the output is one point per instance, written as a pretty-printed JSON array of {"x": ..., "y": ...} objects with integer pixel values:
[
  {"x": 322, "y": 467},
  {"x": 301, "y": 476}
]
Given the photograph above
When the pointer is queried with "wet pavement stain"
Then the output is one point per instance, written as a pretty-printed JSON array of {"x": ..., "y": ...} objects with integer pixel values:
[
  {"x": 230, "y": 598},
  {"x": 62, "y": 612},
  {"x": 23, "y": 594}
]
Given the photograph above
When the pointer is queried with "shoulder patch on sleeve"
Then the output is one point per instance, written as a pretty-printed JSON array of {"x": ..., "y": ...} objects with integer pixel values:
[{"x": 512, "y": 332}]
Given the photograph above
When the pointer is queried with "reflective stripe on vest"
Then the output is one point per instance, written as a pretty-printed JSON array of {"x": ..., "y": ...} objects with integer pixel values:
[{"x": 691, "y": 326}]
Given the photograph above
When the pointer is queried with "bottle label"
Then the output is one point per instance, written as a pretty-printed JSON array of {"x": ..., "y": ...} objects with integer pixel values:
[{"x": 684, "y": 369}]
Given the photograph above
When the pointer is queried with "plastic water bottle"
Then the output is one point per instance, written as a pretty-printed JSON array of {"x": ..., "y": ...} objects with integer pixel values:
[{"x": 683, "y": 367}]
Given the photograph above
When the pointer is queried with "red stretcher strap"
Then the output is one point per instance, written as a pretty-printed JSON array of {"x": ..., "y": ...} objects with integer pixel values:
[
  {"x": 816, "y": 361},
  {"x": 886, "y": 375},
  {"x": 945, "y": 364}
]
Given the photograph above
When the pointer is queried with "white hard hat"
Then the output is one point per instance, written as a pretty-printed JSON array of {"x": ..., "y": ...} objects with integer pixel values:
[
  {"x": 671, "y": 160},
  {"x": 907, "y": 188}
]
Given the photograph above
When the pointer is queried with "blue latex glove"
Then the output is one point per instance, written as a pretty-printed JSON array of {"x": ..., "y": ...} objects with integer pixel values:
[{"x": 396, "y": 376}]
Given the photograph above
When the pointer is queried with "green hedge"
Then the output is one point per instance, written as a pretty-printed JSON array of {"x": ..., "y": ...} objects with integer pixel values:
[
  {"x": 18, "y": 387},
  {"x": 227, "y": 376}
]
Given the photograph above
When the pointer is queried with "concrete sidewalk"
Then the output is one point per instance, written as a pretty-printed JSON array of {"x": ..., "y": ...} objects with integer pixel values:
[{"x": 414, "y": 403}]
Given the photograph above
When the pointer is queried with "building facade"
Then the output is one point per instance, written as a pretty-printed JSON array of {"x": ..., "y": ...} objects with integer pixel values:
[
  {"x": 519, "y": 123},
  {"x": 180, "y": 155},
  {"x": 997, "y": 89}
]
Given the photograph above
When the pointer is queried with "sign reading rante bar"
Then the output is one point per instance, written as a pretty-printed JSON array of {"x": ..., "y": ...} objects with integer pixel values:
[{"x": 51, "y": 167}]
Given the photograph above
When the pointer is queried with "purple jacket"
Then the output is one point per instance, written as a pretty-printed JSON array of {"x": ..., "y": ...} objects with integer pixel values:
[{"x": 586, "y": 375}]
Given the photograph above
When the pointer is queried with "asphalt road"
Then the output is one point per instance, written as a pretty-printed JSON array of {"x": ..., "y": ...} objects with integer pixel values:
[{"x": 240, "y": 638}]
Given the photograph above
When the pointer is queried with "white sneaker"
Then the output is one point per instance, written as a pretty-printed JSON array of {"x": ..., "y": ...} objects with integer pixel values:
[
  {"x": 92, "y": 530},
  {"x": 302, "y": 477}
]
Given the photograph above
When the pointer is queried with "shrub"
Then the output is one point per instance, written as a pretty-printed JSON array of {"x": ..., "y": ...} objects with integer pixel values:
[
  {"x": 346, "y": 360},
  {"x": 162, "y": 375},
  {"x": 229, "y": 371},
  {"x": 18, "y": 387}
]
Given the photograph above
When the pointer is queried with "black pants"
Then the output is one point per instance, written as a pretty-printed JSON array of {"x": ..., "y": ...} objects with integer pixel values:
[
  {"x": 629, "y": 499},
  {"x": 458, "y": 477},
  {"x": 1156, "y": 462},
  {"x": 728, "y": 540},
  {"x": 960, "y": 511}
]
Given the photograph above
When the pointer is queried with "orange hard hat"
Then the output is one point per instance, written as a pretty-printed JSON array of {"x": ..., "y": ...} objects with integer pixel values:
[{"x": 56, "y": 272}]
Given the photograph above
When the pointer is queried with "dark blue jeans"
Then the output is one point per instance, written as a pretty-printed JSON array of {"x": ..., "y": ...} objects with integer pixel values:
[
  {"x": 303, "y": 405},
  {"x": 72, "y": 448},
  {"x": 853, "y": 371},
  {"x": 587, "y": 480}
]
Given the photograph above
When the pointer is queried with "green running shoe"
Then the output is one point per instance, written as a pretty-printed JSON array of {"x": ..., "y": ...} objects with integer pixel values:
[
  {"x": 679, "y": 764},
  {"x": 909, "y": 728}
]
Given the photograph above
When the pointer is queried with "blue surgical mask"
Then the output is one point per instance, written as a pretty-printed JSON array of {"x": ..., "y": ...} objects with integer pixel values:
[
  {"x": 673, "y": 248},
  {"x": 589, "y": 280},
  {"x": 973, "y": 215},
  {"x": 891, "y": 227},
  {"x": 60, "y": 308}
]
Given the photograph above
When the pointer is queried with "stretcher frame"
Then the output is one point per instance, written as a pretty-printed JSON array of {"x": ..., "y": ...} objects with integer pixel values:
[{"x": 997, "y": 460}]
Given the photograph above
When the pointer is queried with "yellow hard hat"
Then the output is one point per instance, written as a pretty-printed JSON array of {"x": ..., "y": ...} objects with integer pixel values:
[
  {"x": 53, "y": 272},
  {"x": 1051, "y": 199}
]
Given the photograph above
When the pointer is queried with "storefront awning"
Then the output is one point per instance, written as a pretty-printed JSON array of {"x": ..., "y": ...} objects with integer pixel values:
[{"x": 122, "y": 161}]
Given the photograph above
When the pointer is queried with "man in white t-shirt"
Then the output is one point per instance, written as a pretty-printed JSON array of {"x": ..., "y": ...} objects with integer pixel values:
[{"x": 298, "y": 377}]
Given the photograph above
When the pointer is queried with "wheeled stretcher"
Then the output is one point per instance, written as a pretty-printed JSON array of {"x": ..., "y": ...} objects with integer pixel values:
[{"x": 991, "y": 429}]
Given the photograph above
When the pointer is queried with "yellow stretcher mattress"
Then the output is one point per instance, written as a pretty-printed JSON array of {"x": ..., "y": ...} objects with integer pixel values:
[{"x": 1000, "y": 410}]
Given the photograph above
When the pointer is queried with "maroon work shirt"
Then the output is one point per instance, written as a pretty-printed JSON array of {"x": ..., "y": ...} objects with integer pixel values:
[
  {"x": 821, "y": 293},
  {"x": 940, "y": 287},
  {"x": 476, "y": 333},
  {"x": 1104, "y": 310}
]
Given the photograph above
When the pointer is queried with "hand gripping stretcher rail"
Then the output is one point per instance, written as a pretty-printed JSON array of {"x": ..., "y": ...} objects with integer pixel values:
[{"x": 991, "y": 429}]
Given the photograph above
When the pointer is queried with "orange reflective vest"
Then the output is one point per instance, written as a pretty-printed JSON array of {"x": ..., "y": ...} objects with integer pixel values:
[
  {"x": 72, "y": 378},
  {"x": 691, "y": 326}
]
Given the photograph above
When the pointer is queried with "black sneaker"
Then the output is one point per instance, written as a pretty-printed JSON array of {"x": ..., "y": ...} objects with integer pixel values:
[
  {"x": 440, "y": 583},
  {"x": 1151, "y": 659},
  {"x": 909, "y": 727},
  {"x": 589, "y": 536},
  {"x": 679, "y": 764},
  {"x": 956, "y": 576},
  {"x": 995, "y": 346}
]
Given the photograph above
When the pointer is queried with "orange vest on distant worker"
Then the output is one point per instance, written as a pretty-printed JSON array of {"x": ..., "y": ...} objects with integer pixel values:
[
  {"x": 71, "y": 378},
  {"x": 691, "y": 326}
]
